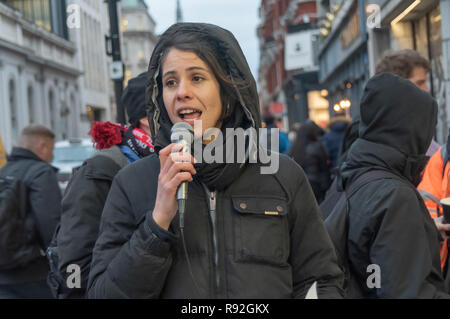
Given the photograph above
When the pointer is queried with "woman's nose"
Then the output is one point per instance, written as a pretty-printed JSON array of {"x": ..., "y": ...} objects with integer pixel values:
[{"x": 183, "y": 90}]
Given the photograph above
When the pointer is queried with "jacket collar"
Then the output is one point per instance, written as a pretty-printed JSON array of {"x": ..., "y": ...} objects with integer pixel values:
[
  {"x": 365, "y": 155},
  {"x": 19, "y": 153}
]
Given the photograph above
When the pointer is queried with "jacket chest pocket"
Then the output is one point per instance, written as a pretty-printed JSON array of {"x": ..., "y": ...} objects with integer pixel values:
[{"x": 261, "y": 230}]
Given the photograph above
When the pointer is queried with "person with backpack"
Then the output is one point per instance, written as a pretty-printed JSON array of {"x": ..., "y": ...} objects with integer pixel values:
[
  {"x": 30, "y": 209},
  {"x": 391, "y": 242},
  {"x": 71, "y": 250}
]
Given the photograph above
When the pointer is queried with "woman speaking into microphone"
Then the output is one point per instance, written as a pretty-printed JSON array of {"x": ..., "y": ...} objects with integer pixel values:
[{"x": 246, "y": 234}]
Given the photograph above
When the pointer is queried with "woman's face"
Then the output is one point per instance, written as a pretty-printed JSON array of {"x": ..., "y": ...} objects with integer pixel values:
[{"x": 190, "y": 90}]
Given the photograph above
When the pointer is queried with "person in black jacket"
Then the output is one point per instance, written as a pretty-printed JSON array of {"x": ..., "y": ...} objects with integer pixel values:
[
  {"x": 246, "y": 234},
  {"x": 85, "y": 196},
  {"x": 332, "y": 140},
  {"x": 308, "y": 151},
  {"x": 30, "y": 163},
  {"x": 392, "y": 241}
]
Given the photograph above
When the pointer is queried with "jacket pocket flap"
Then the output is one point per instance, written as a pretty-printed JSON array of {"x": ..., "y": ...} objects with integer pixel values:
[{"x": 260, "y": 205}]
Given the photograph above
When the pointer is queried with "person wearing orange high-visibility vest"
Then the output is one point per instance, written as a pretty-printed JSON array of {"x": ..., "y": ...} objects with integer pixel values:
[{"x": 435, "y": 185}]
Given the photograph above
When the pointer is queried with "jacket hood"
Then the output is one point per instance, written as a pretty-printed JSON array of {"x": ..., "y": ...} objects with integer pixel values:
[
  {"x": 396, "y": 113},
  {"x": 396, "y": 127},
  {"x": 244, "y": 111}
]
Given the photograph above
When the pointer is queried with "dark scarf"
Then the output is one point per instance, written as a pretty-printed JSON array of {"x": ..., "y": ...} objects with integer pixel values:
[{"x": 218, "y": 176}]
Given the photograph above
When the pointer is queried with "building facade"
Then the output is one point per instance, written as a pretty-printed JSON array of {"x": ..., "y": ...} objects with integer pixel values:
[
  {"x": 352, "y": 46},
  {"x": 54, "y": 67},
  {"x": 96, "y": 100},
  {"x": 287, "y": 78},
  {"x": 343, "y": 56},
  {"x": 418, "y": 25},
  {"x": 38, "y": 69},
  {"x": 139, "y": 39}
]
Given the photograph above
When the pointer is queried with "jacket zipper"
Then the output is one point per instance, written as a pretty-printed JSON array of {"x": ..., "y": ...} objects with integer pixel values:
[{"x": 213, "y": 217}]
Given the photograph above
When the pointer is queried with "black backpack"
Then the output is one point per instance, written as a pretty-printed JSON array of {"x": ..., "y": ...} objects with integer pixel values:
[
  {"x": 19, "y": 240},
  {"x": 55, "y": 279},
  {"x": 335, "y": 214}
]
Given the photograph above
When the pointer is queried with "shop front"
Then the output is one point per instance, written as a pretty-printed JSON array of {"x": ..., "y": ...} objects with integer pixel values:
[
  {"x": 343, "y": 59},
  {"x": 417, "y": 25}
]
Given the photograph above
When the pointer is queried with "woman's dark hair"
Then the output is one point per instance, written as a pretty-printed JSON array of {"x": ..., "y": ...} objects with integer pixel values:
[
  {"x": 211, "y": 53},
  {"x": 308, "y": 133}
]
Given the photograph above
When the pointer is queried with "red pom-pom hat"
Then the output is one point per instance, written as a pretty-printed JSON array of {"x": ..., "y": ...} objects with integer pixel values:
[{"x": 106, "y": 134}]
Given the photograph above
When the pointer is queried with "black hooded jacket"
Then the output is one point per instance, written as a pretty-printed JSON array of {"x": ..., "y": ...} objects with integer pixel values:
[
  {"x": 264, "y": 239},
  {"x": 45, "y": 206},
  {"x": 389, "y": 225}
]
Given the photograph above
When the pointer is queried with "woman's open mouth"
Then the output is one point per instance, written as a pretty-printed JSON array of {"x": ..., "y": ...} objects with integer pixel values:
[{"x": 189, "y": 114}]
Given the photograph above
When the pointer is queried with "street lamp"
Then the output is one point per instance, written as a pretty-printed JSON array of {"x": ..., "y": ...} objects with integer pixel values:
[
  {"x": 345, "y": 104},
  {"x": 116, "y": 67}
]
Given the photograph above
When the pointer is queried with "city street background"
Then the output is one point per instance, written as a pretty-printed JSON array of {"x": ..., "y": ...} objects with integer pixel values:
[{"x": 61, "y": 64}]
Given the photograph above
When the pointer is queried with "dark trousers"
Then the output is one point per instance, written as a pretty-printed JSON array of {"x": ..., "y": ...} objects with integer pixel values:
[{"x": 29, "y": 290}]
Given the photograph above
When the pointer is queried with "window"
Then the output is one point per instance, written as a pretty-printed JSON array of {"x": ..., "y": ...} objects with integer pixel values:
[
  {"x": 48, "y": 14},
  {"x": 140, "y": 26},
  {"x": 30, "y": 100},
  {"x": 124, "y": 24},
  {"x": 51, "y": 109},
  {"x": 125, "y": 51},
  {"x": 141, "y": 50},
  {"x": 13, "y": 110}
]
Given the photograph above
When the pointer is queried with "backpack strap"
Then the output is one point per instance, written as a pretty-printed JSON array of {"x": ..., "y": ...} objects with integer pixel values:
[
  {"x": 444, "y": 158},
  {"x": 366, "y": 178}
]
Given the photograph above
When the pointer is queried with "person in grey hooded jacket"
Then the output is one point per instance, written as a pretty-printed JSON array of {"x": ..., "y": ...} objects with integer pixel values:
[{"x": 246, "y": 234}]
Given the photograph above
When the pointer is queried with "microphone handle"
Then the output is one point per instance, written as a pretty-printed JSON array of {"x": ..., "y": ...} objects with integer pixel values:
[
  {"x": 183, "y": 187},
  {"x": 182, "y": 191},
  {"x": 181, "y": 198},
  {"x": 182, "y": 195}
]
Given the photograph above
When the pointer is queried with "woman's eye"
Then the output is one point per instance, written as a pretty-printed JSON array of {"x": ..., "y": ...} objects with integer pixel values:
[
  {"x": 197, "y": 78},
  {"x": 170, "y": 83}
]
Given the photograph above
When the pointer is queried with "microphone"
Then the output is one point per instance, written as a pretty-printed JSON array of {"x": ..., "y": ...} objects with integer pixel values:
[{"x": 183, "y": 134}]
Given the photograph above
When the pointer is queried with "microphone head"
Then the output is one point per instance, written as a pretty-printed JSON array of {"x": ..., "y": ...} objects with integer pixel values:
[{"x": 182, "y": 131}]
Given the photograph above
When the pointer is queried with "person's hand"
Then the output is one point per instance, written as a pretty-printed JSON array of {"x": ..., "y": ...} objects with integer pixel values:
[
  {"x": 176, "y": 167},
  {"x": 439, "y": 222}
]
